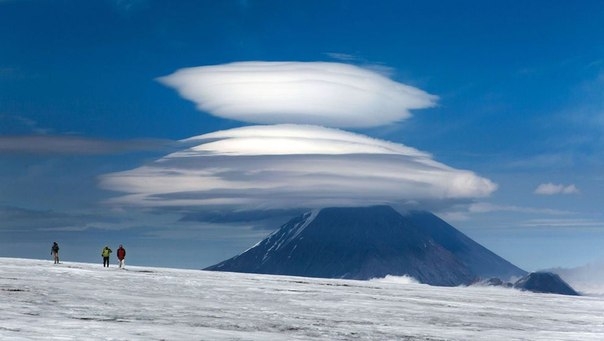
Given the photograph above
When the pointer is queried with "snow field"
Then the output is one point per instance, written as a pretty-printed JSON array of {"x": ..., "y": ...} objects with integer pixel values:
[{"x": 77, "y": 301}]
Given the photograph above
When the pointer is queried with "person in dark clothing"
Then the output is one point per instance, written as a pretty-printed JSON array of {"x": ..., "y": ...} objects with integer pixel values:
[
  {"x": 121, "y": 256},
  {"x": 105, "y": 254},
  {"x": 54, "y": 251}
]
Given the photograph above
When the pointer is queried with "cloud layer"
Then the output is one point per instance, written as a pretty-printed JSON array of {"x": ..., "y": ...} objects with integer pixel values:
[
  {"x": 320, "y": 93},
  {"x": 293, "y": 166},
  {"x": 553, "y": 189},
  {"x": 76, "y": 145}
]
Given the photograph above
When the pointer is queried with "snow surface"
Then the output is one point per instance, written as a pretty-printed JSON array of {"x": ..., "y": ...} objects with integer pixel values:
[{"x": 78, "y": 301}]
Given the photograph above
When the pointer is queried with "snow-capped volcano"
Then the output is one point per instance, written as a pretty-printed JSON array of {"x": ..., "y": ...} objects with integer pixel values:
[{"x": 371, "y": 242}]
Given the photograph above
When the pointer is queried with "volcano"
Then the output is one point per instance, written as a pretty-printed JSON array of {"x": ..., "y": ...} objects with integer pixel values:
[{"x": 371, "y": 242}]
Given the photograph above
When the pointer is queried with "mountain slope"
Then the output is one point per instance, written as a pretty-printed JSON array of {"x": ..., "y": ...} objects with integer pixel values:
[
  {"x": 364, "y": 243},
  {"x": 481, "y": 261}
]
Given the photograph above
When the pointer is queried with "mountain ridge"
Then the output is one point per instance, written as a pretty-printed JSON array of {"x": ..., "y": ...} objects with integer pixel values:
[{"x": 369, "y": 242}]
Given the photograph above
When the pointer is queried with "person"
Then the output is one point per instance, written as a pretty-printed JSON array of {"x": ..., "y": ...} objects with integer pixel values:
[
  {"x": 54, "y": 251},
  {"x": 105, "y": 253},
  {"x": 121, "y": 256}
]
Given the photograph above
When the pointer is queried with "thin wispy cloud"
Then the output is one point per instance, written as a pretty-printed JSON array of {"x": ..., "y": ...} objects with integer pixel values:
[
  {"x": 381, "y": 69},
  {"x": 553, "y": 189},
  {"x": 483, "y": 207},
  {"x": 345, "y": 57},
  {"x": 76, "y": 145},
  {"x": 23, "y": 219},
  {"x": 463, "y": 212},
  {"x": 563, "y": 223},
  {"x": 319, "y": 93},
  {"x": 127, "y": 6},
  {"x": 17, "y": 124},
  {"x": 292, "y": 166}
]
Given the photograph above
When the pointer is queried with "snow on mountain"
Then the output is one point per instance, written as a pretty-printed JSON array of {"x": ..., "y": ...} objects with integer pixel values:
[
  {"x": 78, "y": 301},
  {"x": 371, "y": 242},
  {"x": 291, "y": 233}
]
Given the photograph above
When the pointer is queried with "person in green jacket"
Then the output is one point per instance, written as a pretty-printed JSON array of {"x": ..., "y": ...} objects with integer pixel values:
[{"x": 105, "y": 254}]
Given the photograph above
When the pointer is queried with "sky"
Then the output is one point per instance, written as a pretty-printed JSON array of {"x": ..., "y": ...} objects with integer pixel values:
[{"x": 188, "y": 131}]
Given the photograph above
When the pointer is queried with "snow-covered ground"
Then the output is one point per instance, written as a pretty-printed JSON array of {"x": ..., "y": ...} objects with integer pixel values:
[{"x": 77, "y": 301}]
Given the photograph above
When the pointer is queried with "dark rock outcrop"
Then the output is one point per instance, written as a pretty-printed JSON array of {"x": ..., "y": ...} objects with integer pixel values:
[
  {"x": 545, "y": 282},
  {"x": 496, "y": 282}
]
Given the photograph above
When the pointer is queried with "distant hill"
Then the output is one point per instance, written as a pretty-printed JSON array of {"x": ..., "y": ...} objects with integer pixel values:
[
  {"x": 371, "y": 242},
  {"x": 545, "y": 282}
]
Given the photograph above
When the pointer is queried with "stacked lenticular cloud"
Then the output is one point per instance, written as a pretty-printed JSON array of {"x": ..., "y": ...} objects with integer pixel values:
[
  {"x": 327, "y": 94},
  {"x": 297, "y": 159}
]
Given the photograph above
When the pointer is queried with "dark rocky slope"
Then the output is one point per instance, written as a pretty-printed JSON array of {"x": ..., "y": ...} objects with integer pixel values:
[{"x": 371, "y": 242}]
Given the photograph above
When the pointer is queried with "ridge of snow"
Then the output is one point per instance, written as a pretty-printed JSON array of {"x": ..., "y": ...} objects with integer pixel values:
[
  {"x": 291, "y": 233},
  {"x": 301, "y": 227}
]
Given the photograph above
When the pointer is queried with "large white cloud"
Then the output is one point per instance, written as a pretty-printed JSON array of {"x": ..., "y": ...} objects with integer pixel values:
[
  {"x": 292, "y": 166},
  {"x": 321, "y": 93}
]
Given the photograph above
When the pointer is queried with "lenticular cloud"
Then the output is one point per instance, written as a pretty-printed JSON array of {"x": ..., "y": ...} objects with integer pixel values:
[
  {"x": 292, "y": 166},
  {"x": 327, "y": 94}
]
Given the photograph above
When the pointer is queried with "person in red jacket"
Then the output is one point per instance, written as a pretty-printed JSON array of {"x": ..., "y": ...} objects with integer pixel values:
[{"x": 121, "y": 256}]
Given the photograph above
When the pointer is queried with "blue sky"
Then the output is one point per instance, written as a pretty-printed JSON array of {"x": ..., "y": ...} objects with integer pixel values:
[{"x": 500, "y": 102}]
